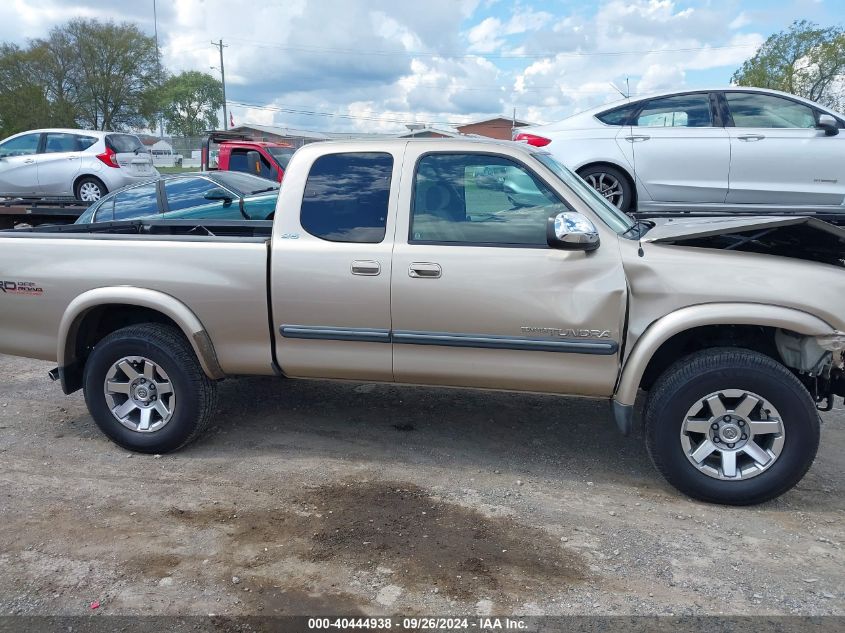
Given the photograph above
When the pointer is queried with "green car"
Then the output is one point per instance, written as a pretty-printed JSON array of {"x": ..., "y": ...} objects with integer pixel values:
[{"x": 223, "y": 195}]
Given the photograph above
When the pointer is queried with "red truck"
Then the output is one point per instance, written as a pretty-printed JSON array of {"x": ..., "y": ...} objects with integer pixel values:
[{"x": 239, "y": 152}]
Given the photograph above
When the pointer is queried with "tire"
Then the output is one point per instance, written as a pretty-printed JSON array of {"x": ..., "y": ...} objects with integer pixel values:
[
  {"x": 86, "y": 188},
  {"x": 190, "y": 400},
  {"x": 783, "y": 405},
  {"x": 610, "y": 178}
]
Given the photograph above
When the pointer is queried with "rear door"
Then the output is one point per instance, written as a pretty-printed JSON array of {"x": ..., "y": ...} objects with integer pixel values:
[
  {"x": 132, "y": 156},
  {"x": 681, "y": 152},
  {"x": 778, "y": 156},
  {"x": 59, "y": 163},
  {"x": 18, "y": 168},
  {"x": 330, "y": 264},
  {"x": 479, "y": 299}
]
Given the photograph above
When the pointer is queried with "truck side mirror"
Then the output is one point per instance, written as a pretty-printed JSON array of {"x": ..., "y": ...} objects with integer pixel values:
[
  {"x": 572, "y": 231},
  {"x": 828, "y": 124},
  {"x": 253, "y": 161}
]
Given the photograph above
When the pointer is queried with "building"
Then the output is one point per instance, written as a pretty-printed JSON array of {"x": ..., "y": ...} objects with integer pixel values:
[{"x": 498, "y": 127}]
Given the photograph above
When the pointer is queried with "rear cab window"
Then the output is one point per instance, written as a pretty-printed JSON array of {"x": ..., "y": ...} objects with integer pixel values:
[{"x": 347, "y": 196}]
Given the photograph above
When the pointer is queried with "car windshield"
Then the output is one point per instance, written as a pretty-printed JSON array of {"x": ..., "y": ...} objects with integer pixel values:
[
  {"x": 245, "y": 184},
  {"x": 611, "y": 216},
  {"x": 282, "y": 155}
]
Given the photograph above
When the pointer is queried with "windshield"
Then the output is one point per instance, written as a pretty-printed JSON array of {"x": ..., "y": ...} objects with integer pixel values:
[
  {"x": 611, "y": 216},
  {"x": 244, "y": 184},
  {"x": 282, "y": 155}
]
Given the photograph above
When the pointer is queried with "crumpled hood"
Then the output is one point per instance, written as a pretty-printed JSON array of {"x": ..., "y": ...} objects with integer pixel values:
[{"x": 682, "y": 229}]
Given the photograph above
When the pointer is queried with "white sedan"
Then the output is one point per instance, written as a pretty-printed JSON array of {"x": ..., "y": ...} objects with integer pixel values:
[{"x": 721, "y": 149}]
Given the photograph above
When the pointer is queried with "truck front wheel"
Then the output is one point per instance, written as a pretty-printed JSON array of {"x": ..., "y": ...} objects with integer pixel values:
[
  {"x": 731, "y": 426},
  {"x": 146, "y": 390}
]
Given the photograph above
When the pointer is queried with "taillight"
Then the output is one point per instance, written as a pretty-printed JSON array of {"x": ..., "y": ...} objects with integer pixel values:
[
  {"x": 109, "y": 157},
  {"x": 532, "y": 139}
]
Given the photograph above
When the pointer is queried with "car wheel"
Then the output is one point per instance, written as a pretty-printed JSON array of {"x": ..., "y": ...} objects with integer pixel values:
[
  {"x": 90, "y": 189},
  {"x": 611, "y": 183},
  {"x": 146, "y": 390},
  {"x": 731, "y": 426}
]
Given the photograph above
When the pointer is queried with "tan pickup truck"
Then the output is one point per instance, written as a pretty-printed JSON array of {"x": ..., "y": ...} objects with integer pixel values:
[{"x": 452, "y": 262}]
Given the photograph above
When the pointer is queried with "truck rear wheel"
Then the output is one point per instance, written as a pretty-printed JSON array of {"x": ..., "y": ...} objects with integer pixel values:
[
  {"x": 146, "y": 390},
  {"x": 731, "y": 426}
]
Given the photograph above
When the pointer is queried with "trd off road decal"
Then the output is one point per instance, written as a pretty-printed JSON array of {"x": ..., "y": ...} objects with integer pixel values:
[{"x": 20, "y": 288}]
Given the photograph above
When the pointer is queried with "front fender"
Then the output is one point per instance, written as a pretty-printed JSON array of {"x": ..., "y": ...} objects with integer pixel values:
[
  {"x": 167, "y": 305},
  {"x": 690, "y": 317}
]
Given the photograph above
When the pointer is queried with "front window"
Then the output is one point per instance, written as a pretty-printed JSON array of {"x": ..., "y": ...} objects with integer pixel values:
[
  {"x": 183, "y": 193},
  {"x": 480, "y": 199},
  {"x": 20, "y": 146},
  {"x": 239, "y": 161},
  {"x": 691, "y": 110},
  {"x": 609, "y": 214},
  {"x": 750, "y": 109}
]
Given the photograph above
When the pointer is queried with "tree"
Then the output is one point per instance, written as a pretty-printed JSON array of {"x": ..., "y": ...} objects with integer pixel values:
[
  {"x": 189, "y": 102},
  {"x": 115, "y": 66},
  {"x": 804, "y": 60}
]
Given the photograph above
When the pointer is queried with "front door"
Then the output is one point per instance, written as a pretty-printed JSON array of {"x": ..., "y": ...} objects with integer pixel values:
[
  {"x": 479, "y": 299},
  {"x": 779, "y": 157},
  {"x": 330, "y": 267},
  {"x": 18, "y": 167},
  {"x": 680, "y": 152}
]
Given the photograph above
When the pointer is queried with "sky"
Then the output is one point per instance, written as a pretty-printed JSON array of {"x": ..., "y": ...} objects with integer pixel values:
[{"x": 378, "y": 65}]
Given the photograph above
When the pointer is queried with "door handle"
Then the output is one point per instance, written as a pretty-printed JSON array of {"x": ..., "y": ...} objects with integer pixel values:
[
  {"x": 751, "y": 137},
  {"x": 424, "y": 270},
  {"x": 366, "y": 267},
  {"x": 29, "y": 161},
  {"x": 637, "y": 138}
]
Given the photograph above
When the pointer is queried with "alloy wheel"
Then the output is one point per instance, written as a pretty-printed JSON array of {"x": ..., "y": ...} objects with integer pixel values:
[
  {"x": 139, "y": 394},
  {"x": 608, "y": 186},
  {"x": 732, "y": 435}
]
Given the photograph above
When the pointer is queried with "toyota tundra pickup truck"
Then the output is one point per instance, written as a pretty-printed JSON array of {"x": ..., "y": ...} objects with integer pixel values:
[{"x": 386, "y": 262}]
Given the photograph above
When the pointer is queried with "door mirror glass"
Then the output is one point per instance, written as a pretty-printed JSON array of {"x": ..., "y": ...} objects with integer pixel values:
[
  {"x": 572, "y": 231},
  {"x": 218, "y": 193},
  {"x": 828, "y": 124}
]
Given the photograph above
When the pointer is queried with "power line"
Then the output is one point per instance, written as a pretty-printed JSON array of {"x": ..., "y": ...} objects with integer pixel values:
[{"x": 393, "y": 53}]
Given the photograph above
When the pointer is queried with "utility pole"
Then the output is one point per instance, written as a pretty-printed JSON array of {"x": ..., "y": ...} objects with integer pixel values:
[
  {"x": 221, "y": 46},
  {"x": 158, "y": 63}
]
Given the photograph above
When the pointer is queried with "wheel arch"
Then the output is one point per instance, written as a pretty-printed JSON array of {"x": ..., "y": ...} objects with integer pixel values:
[
  {"x": 661, "y": 334},
  {"x": 96, "y": 313}
]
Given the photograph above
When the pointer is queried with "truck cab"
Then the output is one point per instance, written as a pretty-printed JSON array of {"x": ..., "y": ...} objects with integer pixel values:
[{"x": 233, "y": 151}]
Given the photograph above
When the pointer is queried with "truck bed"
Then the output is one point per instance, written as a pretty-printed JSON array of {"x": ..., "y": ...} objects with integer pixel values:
[{"x": 218, "y": 270}]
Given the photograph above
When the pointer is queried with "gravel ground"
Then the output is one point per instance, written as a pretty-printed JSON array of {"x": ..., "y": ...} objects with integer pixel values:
[{"x": 314, "y": 498}]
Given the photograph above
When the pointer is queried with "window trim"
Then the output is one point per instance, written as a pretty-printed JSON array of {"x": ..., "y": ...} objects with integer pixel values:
[
  {"x": 413, "y": 242},
  {"x": 390, "y": 192},
  {"x": 639, "y": 105},
  {"x": 729, "y": 122}
]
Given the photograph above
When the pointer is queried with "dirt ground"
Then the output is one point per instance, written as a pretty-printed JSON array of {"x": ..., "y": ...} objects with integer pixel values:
[{"x": 331, "y": 498}]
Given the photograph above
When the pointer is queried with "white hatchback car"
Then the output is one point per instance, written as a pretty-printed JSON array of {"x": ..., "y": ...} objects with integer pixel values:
[
  {"x": 62, "y": 163},
  {"x": 721, "y": 149}
]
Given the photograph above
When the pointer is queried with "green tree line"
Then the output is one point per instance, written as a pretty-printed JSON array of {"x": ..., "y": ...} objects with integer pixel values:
[{"x": 103, "y": 76}]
